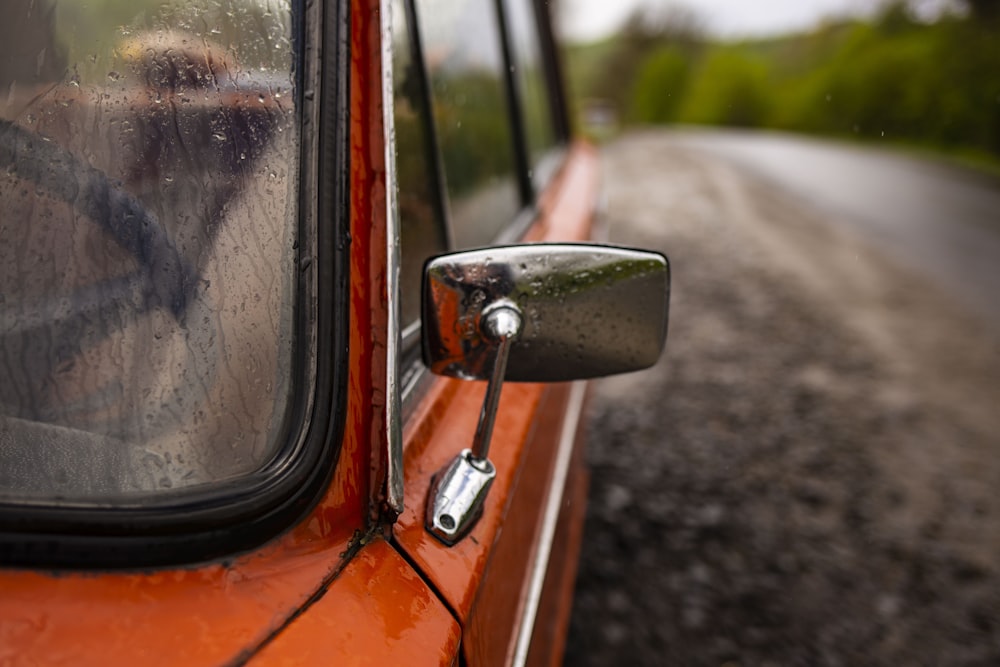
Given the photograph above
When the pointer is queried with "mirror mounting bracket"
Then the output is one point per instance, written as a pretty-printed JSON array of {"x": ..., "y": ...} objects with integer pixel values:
[{"x": 458, "y": 491}]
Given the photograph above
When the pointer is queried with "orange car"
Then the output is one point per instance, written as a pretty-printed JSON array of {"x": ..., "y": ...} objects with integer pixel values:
[{"x": 293, "y": 295}]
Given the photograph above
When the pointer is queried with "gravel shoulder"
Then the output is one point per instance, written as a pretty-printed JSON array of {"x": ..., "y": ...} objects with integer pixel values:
[{"x": 810, "y": 476}]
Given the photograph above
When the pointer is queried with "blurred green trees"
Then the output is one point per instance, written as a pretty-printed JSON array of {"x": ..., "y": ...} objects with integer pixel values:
[
  {"x": 892, "y": 77},
  {"x": 730, "y": 87}
]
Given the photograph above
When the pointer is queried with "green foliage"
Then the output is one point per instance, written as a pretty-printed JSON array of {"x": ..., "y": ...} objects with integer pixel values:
[
  {"x": 470, "y": 116},
  {"x": 657, "y": 45},
  {"x": 660, "y": 86},
  {"x": 893, "y": 78},
  {"x": 729, "y": 88}
]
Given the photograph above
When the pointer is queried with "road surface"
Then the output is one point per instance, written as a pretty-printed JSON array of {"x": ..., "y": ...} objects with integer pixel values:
[
  {"x": 810, "y": 475},
  {"x": 939, "y": 220}
]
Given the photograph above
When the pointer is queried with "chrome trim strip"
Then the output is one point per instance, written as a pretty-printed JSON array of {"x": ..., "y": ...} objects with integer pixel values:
[
  {"x": 411, "y": 334},
  {"x": 553, "y": 504},
  {"x": 393, "y": 423}
]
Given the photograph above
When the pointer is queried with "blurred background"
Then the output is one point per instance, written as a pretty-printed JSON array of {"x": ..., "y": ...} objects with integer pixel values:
[
  {"x": 911, "y": 72},
  {"x": 809, "y": 476}
]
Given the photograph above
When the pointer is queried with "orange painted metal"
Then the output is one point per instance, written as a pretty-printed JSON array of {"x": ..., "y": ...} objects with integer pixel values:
[
  {"x": 457, "y": 571},
  {"x": 444, "y": 422},
  {"x": 220, "y": 612},
  {"x": 496, "y": 615},
  {"x": 378, "y": 612},
  {"x": 369, "y": 297}
]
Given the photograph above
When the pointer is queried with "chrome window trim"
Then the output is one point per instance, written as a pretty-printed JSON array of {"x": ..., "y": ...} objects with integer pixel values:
[{"x": 393, "y": 424}]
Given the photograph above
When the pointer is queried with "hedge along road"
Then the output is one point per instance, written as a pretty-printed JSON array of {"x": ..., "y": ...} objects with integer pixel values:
[{"x": 810, "y": 474}]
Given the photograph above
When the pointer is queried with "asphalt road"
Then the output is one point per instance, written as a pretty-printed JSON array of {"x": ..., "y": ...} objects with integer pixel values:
[
  {"x": 939, "y": 220},
  {"x": 810, "y": 475}
]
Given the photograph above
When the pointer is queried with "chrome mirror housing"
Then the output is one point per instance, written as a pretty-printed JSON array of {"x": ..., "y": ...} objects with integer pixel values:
[
  {"x": 532, "y": 313},
  {"x": 587, "y": 310}
]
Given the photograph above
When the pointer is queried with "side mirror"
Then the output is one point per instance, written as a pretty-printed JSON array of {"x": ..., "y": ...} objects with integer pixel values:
[
  {"x": 532, "y": 313},
  {"x": 586, "y": 310}
]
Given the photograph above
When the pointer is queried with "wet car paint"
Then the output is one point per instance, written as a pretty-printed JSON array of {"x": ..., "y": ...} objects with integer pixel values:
[{"x": 403, "y": 621}]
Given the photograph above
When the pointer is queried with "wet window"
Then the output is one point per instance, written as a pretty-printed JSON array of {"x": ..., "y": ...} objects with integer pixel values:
[
  {"x": 147, "y": 227},
  {"x": 464, "y": 59},
  {"x": 421, "y": 212},
  {"x": 532, "y": 82}
]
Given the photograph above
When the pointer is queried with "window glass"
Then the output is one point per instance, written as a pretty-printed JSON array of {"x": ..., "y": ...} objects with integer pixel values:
[
  {"x": 422, "y": 225},
  {"x": 529, "y": 70},
  {"x": 148, "y": 152},
  {"x": 464, "y": 58}
]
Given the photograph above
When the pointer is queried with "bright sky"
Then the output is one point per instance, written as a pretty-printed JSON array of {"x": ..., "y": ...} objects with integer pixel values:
[{"x": 584, "y": 20}]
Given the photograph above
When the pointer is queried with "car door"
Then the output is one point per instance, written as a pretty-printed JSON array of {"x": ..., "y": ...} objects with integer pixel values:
[{"x": 483, "y": 158}]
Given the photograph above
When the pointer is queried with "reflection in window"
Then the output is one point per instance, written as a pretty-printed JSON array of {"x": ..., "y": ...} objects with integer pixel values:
[
  {"x": 465, "y": 62},
  {"x": 422, "y": 224},
  {"x": 148, "y": 154},
  {"x": 536, "y": 109}
]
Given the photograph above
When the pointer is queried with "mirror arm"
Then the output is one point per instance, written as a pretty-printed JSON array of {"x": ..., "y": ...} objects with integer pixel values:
[
  {"x": 458, "y": 491},
  {"x": 501, "y": 324}
]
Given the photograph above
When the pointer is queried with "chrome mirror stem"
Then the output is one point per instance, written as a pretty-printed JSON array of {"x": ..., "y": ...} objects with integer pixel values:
[
  {"x": 502, "y": 324},
  {"x": 458, "y": 491}
]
